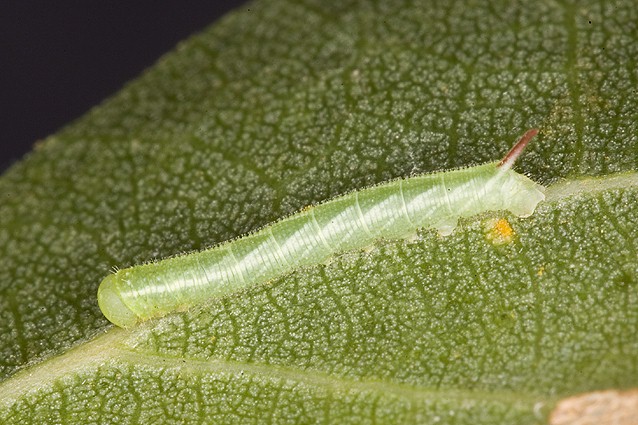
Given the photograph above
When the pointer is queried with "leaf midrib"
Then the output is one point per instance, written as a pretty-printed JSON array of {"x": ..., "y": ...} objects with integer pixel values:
[{"x": 107, "y": 348}]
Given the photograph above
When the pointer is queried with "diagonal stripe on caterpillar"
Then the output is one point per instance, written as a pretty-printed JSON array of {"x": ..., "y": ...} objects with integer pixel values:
[{"x": 395, "y": 209}]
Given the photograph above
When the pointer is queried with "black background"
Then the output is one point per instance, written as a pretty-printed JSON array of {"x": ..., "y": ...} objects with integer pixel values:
[{"x": 58, "y": 59}]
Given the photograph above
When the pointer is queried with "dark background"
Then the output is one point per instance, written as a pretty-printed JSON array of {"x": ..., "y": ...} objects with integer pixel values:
[{"x": 58, "y": 59}]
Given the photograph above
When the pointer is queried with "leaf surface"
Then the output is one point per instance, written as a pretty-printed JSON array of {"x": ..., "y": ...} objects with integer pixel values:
[{"x": 288, "y": 103}]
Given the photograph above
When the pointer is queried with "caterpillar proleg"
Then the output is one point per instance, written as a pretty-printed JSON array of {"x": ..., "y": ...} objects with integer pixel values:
[{"x": 391, "y": 210}]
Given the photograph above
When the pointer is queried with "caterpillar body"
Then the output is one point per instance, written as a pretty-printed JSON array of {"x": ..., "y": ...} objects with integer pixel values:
[{"x": 395, "y": 209}]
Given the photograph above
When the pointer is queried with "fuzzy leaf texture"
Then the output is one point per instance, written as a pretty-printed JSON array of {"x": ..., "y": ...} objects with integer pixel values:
[{"x": 288, "y": 103}]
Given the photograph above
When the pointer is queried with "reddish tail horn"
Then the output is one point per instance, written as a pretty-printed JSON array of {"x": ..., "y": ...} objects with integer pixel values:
[{"x": 516, "y": 151}]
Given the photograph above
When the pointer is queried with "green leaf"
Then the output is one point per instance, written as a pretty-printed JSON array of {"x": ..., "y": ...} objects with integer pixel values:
[{"x": 288, "y": 103}]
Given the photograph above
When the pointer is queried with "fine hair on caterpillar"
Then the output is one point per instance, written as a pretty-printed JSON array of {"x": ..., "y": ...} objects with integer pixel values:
[{"x": 391, "y": 210}]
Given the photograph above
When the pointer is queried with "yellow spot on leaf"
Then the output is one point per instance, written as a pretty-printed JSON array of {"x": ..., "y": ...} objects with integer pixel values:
[{"x": 499, "y": 231}]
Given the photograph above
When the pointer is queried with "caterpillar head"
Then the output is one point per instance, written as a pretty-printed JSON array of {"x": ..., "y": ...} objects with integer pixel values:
[{"x": 110, "y": 301}]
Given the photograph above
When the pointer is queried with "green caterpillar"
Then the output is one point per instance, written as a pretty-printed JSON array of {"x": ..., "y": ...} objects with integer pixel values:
[{"x": 395, "y": 209}]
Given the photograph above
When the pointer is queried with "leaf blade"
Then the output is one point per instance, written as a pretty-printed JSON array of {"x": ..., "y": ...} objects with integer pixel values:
[{"x": 249, "y": 122}]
